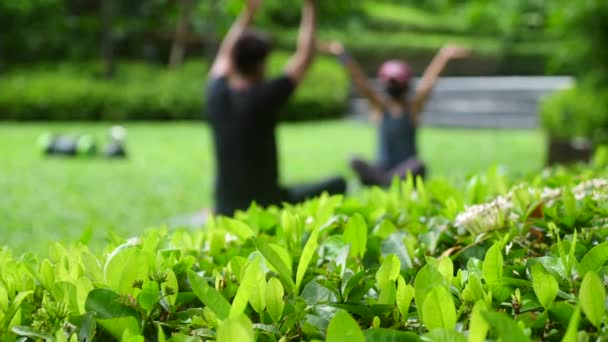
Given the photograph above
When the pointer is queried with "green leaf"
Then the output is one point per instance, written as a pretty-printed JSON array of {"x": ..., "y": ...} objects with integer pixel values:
[
  {"x": 405, "y": 294},
  {"x": 594, "y": 259},
  {"x": 384, "y": 229},
  {"x": 274, "y": 299},
  {"x": 284, "y": 254},
  {"x": 236, "y": 227},
  {"x": 126, "y": 264},
  {"x": 275, "y": 260},
  {"x": 562, "y": 312},
  {"x": 160, "y": 333},
  {"x": 315, "y": 293},
  {"x": 118, "y": 326},
  {"x": 446, "y": 268},
  {"x": 478, "y": 328},
  {"x": 445, "y": 335},
  {"x": 129, "y": 336},
  {"x": 64, "y": 291},
  {"x": 184, "y": 338},
  {"x": 47, "y": 274},
  {"x": 343, "y": 327},
  {"x": 173, "y": 283},
  {"x": 3, "y": 299},
  {"x": 394, "y": 244},
  {"x": 31, "y": 332},
  {"x": 149, "y": 296},
  {"x": 107, "y": 304},
  {"x": 87, "y": 328},
  {"x": 572, "y": 331},
  {"x": 388, "y": 271},
  {"x": 545, "y": 286},
  {"x": 438, "y": 310},
  {"x": 209, "y": 296},
  {"x": 83, "y": 288},
  {"x": 243, "y": 293},
  {"x": 493, "y": 264},
  {"x": 12, "y": 317},
  {"x": 237, "y": 328},
  {"x": 506, "y": 328},
  {"x": 426, "y": 279},
  {"x": 237, "y": 265},
  {"x": 307, "y": 254},
  {"x": 473, "y": 291},
  {"x": 554, "y": 265},
  {"x": 592, "y": 296},
  {"x": 388, "y": 294},
  {"x": 355, "y": 234},
  {"x": 571, "y": 257},
  {"x": 389, "y": 335},
  {"x": 361, "y": 310},
  {"x": 255, "y": 282},
  {"x": 385, "y": 277}
]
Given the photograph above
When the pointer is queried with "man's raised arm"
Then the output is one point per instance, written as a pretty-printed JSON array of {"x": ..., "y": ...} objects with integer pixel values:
[
  {"x": 299, "y": 64},
  {"x": 223, "y": 64}
]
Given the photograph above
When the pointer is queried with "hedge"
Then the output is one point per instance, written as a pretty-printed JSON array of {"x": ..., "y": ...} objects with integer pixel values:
[
  {"x": 145, "y": 92},
  {"x": 492, "y": 260},
  {"x": 579, "y": 112}
]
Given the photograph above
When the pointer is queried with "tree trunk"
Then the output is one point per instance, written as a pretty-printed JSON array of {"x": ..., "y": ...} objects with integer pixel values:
[
  {"x": 107, "y": 40},
  {"x": 212, "y": 43},
  {"x": 178, "y": 50}
]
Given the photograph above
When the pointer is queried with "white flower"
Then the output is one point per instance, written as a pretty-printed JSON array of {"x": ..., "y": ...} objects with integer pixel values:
[{"x": 493, "y": 215}]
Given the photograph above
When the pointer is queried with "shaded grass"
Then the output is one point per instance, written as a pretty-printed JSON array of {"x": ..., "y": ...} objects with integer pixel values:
[{"x": 170, "y": 172}]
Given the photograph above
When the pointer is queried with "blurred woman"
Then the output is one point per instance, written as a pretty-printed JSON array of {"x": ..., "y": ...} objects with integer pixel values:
[{"x": 396, "y": 112}]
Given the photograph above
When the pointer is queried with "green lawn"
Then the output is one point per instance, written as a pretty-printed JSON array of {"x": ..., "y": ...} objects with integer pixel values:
[{"x": 170, "y": 172}]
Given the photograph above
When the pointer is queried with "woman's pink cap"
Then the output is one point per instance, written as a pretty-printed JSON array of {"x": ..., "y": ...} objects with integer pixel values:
[{"x": 395, "y": 70}]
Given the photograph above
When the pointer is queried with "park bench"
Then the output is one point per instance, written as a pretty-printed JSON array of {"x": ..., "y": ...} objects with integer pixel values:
[{"x": 483, "y": 102}]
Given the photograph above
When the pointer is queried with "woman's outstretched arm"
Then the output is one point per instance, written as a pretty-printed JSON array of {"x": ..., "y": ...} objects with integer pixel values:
[
  {"x": 356, "y": 72},
  {"x": 431, "y": 76}
]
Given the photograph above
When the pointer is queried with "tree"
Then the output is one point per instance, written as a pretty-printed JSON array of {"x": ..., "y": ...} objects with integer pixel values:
[
  {"x": 178, "y": 50},
  {"x": 108, "y": 11}
]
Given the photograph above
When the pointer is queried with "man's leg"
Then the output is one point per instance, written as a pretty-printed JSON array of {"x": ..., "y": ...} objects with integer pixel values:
[{"x": 301, "y": 193}]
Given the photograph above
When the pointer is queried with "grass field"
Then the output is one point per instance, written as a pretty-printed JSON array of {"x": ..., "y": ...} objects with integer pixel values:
[{"x": 170, "y": 172}]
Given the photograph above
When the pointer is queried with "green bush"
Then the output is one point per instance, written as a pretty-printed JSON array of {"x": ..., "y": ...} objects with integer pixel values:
[
  {"x": 580, "y": 112},
  {"x": 490, "y": 261},
  {"x": 583, "y": 111},
  {"x": 583, "y": 28},
  {"x": 145, "y": 92}
]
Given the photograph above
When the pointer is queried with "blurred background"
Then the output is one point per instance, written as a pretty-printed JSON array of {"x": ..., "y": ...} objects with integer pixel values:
[{"x": 534, "y": 92}]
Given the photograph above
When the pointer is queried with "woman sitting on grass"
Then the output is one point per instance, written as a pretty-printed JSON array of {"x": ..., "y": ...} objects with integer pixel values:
[{"x": 397, "y": 114}]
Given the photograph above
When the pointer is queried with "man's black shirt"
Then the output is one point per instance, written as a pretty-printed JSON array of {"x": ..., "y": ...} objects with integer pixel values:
[{"x": 243, "y": 124}]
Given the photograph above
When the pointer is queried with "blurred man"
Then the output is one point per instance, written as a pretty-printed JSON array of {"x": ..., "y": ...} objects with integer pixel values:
[{"x": 243, "y": 108}]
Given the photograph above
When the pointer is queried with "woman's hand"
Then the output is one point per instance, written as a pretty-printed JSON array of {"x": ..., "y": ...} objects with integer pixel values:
[
  {"x": 333, "y": 48},
  {"x": 455, "y": 52},
  {"x": 253, "y": 5}
]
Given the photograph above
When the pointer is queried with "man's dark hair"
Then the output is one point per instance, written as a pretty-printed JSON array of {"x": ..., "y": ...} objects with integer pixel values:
[{"x": 250, "y": 52}]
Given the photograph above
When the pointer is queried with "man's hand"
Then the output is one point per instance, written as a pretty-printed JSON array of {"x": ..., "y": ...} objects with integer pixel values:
[
  {"x": 455, "y": 52},
  {"x": 253, "y": 5},
  {"x": 222, "y": 64},
  {"x": 334, "y": 48}
]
